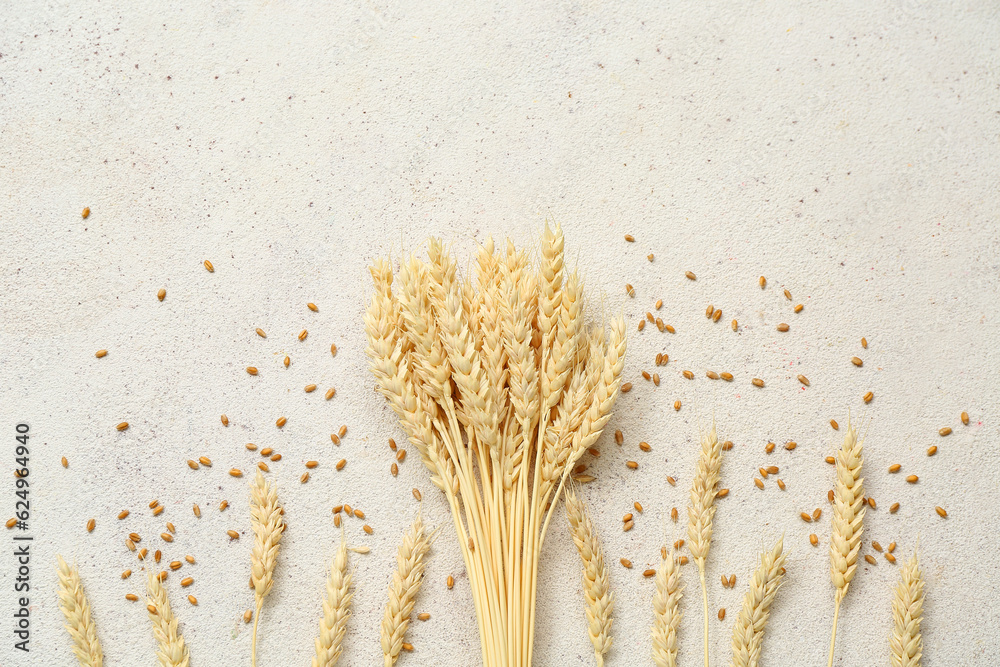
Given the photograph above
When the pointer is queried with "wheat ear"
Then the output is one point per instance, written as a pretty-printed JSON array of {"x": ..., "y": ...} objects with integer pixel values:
[
  {"x": 748, "y": 633},
  {"x": 265, "y": 518},
  {"x": 79, "y": 623},
  {"x": 336, "y": 610},
  {"x": 596, "y": 584},
  {"x": 907, "y": 606},
  {"x": 701, "y": 511},
  {"x": 848, "y": 522},
  {"x": 403, "y": 590},
  {"x": 170, "y": 651},
  {"x": 666, "y": 612}
]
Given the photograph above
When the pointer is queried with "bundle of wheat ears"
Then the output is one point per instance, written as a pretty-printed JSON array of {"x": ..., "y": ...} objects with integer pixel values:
[{"x": 501, "y": 387}]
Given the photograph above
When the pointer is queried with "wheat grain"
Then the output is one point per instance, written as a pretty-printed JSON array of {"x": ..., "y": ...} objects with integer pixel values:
[
  {"x": 265, "y": 518},
  {"x": 701, "y": 511},
  {"x": 403, "y": 590},
  {"x": 170, "y": 648},
  {"x": 848, "y": 522},
  {"x": 748, "y": 632},
  {"x": 336, "y": 610},
  {"x": 666, "y": 612},
  {"x": 79, "y": 622},
  {"x": 596, "y": 578}
]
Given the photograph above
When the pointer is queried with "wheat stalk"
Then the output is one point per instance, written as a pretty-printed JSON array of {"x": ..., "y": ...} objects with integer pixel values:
[
  {"x": 666, "y": 612},
  {"x": 748, "y": 633},
  {"x": 848, "y": 522},
  {"x": 403, "y": 590},
  {"x": 907, "y": 606},
  {"x": 701, "y": 512},
  {"x": 79, "y": 622},
  {"x": 171, "y": 651},
  {"x": 336, "y": 610},
  {"x": 596, "y": 585},
  {"x": 265, "y": 518}
]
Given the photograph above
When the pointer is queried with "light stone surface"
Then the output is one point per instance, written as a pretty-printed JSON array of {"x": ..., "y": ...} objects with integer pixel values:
[{"x": 848, "y": 151}]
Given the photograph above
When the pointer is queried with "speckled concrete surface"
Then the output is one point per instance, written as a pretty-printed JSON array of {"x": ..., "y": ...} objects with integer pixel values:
[{"x": 847, "y": 151}]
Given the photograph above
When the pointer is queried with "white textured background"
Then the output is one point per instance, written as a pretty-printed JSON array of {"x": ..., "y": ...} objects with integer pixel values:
[{"x": 848, "y": 151}]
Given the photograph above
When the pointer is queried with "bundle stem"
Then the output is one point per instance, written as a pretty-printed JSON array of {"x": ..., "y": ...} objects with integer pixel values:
[
  {"x": 704, "y": 601},
  {"x": 833, "y": 635},
  {"x": 253, "y": 643},
  {"x": 534, "y": 546},
  {"x": 466, "y": 556}
]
